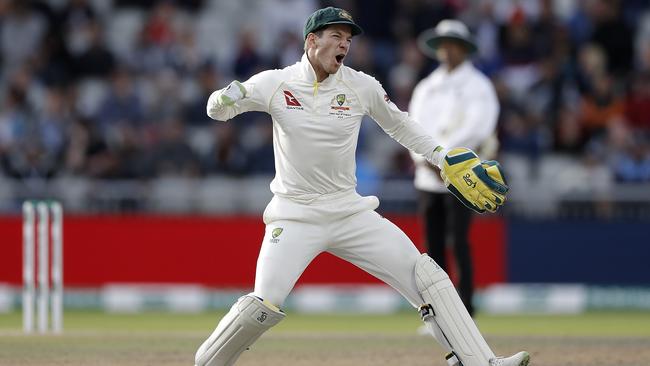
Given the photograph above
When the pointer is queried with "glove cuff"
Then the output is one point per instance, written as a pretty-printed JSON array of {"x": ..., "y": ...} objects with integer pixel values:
[
  {"x": 231, "y": 94},
  {"x": 438, "y": 155}
]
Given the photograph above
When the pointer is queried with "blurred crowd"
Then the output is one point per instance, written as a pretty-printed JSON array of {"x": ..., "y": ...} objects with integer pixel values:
[{"x": 117, "y": 89}]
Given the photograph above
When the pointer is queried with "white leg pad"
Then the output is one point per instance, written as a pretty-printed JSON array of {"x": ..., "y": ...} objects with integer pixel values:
[
  {"x": 450, "y": 314},
  {"x": 246, "y": 321}
]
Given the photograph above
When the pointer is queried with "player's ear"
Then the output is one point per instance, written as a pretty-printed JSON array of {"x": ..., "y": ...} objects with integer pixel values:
[{"x": 311, "y": 40}]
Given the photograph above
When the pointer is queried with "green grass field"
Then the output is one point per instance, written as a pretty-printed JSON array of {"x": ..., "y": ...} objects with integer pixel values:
[{"x": 94, "y": 338}]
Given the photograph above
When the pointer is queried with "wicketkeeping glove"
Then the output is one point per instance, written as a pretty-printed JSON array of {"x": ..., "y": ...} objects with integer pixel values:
[
  {"x": 479, "y": 185},
  {"x": 231, "y": 94}
]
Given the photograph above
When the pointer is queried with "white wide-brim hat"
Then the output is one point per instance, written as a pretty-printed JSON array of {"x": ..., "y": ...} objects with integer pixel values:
[{"x": 448, "y": 29}]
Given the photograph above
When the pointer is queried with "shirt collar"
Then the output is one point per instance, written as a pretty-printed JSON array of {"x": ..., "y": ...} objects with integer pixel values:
[{"x": 309, "y": 74}]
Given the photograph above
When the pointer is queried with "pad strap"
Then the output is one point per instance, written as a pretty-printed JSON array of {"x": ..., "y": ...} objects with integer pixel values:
[{"x": 452, "y": 359}]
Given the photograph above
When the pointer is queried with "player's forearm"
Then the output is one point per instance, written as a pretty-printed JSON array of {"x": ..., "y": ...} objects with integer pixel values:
[
  {"x": 412, "y": 136},
  {"x": 402, "y": 128}
]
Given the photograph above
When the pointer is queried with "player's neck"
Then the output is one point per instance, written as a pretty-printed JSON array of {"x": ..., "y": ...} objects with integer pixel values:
[{"x": 319, "y": 72}]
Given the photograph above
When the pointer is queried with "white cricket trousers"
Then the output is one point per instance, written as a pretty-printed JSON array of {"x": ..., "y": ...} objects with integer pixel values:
[{"x": 343, "y": 224}]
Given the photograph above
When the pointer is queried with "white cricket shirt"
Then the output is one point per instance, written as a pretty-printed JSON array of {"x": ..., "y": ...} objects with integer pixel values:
[
  {"x": 457, "y": 108},
  {"x": 316, "y": 125}
]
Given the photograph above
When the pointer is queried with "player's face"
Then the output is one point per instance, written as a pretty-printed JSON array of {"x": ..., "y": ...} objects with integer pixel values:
[{"x": 330, "y": 49}]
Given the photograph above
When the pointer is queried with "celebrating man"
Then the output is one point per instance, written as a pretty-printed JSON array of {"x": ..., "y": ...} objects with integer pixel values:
[{"x": 317, "y": 105}]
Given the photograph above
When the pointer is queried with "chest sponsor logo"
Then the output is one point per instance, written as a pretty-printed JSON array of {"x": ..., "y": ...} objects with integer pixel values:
[
  {"x": 338, "y": 107},
  {"x": 292, "y": 102}
]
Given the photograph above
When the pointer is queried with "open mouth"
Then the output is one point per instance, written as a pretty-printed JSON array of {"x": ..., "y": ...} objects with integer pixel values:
[{"x": 339, "y": 58}]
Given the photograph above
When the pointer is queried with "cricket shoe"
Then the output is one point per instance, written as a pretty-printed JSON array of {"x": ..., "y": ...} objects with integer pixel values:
[{"x": 518, "y": 359}]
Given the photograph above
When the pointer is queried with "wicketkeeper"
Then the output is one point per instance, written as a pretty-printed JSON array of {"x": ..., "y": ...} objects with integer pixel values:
[{"x": 317, "y": 105}]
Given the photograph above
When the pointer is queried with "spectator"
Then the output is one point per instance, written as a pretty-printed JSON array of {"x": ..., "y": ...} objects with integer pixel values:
[
  {"x": 629, "y": 154},
  {"x": 94, "y": 60},
  {"x": 207, "y": 79},
  {"x": 165, "y": 98},
  {"x": 226, "y": 156},
  {"x": 545, "y": 29},
  {"x": 16, "y": 125},
  {"x": 172, "y": 156},
  {"x": 591, "y": 62},
  {"x": 519, "y": 54},
  {"x": 21, "y": 23},
  {"x": 637, "y": 103},
  {"x": 157, "y": 39},
  {"x": 487, "y": 39},
  {"x": 122, "y": 106},
  {"x": 613, "y": 35},
  {"x": 247, "y": 61},
  {"x": 53, "y": 123},
  {"x": 290, "y": 48},
  {"x": 569, "y": 137},
  {"x": 517, "y": 42},
  {"x": 360, "y": 57},
  {"x": 633, "y": 163},
  {"x": 642, "y": 44},
  {"x": 260, "y": 150},
  {"x": 159, "y": 29},
  {"x": 88, "y": 155},
  {"x": 76, "y": 152},
  {"x": 404, "y": 75},
  {"x": 76, "y": 19},
  {"x": 413, "y": 17},
  {"x": 599, "y": 107},
  {"x": 186, "y": 53},
  {"x": 520, "y": 134},
  {"x": 544, "y": 97}
]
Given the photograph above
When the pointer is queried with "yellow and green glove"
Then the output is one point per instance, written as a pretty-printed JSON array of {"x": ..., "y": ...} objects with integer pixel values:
[{"x": 479, "y": 185}]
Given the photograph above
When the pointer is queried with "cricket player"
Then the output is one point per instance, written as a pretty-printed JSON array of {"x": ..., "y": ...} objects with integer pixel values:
[
  {"x": 317, "y": 105},
  {"x": 457, "y": 106}
]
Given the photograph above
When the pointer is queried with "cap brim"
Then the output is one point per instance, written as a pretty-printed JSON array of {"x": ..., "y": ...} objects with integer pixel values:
[
  {"x": 429, "y": 41},
  {"x": 356, "y": 30}
]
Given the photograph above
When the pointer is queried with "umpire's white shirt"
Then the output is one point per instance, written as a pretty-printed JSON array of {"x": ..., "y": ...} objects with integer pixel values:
[
  {"x": 457, "y": 108},
  {"x": 316, "y": 126}
]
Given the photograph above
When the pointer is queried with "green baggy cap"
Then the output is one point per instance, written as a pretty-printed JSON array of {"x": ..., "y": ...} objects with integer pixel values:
[{"x": 328, "y": 16}]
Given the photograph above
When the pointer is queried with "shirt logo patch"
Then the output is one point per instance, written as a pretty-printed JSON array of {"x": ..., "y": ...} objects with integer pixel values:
[
  {"x": 292, "y": 102},
  {"x": 338, "y": 107}
]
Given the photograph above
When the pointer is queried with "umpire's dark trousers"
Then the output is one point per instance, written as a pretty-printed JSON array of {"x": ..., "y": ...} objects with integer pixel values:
[{"x": 447, "y": 220}]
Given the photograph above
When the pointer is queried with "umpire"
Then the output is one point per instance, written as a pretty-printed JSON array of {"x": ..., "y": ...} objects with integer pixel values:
[{"x": 457, "y": 106}]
